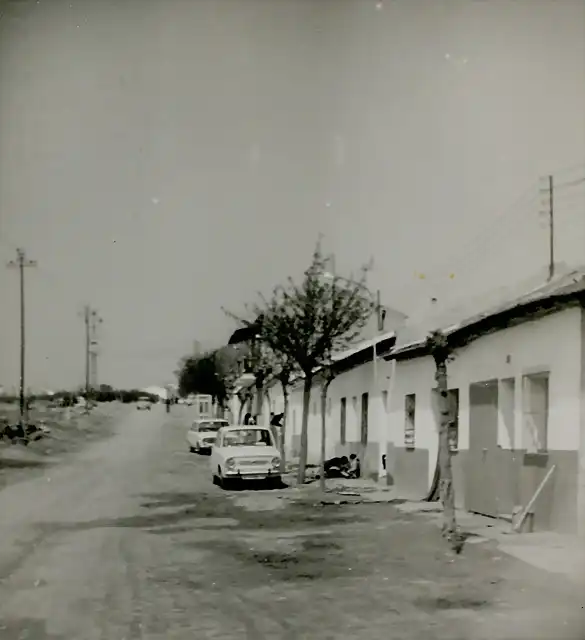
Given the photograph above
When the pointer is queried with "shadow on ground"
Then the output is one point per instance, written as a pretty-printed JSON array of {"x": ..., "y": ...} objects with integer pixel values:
[
  {"x": 306, "y": 558},
  {"x": 13, "y": 463},
  {"x": 194, "y": 511}
]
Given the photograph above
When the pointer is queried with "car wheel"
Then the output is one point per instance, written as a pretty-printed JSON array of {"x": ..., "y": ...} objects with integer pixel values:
[
  {"x": 215, "y": 480},
  {"x": 192, "y": 449},
  {"x": 222, "y": 482}
]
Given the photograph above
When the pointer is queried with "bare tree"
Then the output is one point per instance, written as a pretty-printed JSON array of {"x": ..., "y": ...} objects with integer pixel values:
[
  {"x": 327, "y": 376},
  {"x": 285, "y": 374},
  {"x": 438, "y": 345},
  {"x": 308, "y": 321}
]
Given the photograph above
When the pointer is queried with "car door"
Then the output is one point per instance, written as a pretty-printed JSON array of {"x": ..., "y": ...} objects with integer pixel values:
[{"x": 214, "y": 452}]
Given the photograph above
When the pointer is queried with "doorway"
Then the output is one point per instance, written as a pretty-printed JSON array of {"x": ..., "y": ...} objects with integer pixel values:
[{"x": 481, "y": 495}]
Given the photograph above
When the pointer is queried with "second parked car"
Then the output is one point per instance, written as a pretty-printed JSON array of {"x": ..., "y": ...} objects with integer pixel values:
[{"x": 202, "y": 433}]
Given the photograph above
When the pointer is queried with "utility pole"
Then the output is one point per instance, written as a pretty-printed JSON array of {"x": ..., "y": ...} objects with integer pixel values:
[
  {"x": 95, "y": 322},
  {"x": 86, "y": 318},
  {"x": 551, "y": 264},
  {"x": 20, "y": 263},
  {"x": 550, "y": 212},
  {"x": 91, "y": 319}
]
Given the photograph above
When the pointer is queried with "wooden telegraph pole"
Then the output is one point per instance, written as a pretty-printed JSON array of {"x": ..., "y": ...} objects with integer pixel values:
[
  {"x": 86, "y": 318},
  {"x": 551, "y": 221},
  {"x": 20, "y": 263},
  {"x": 549, "y": 192}
]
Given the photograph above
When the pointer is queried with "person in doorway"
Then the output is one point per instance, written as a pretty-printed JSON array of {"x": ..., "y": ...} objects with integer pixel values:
[{"x": 354, "y": 470}]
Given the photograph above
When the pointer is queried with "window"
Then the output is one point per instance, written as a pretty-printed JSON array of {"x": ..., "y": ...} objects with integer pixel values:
[
  {"x": 364, "y": 420},
  {"x": 409, "y": 419},
  {"x": 536, "y": 408},
  {"x": 342, "y": 421},
  {"x": 385, "y": 400},
  {"x": 248, "y": 438}
]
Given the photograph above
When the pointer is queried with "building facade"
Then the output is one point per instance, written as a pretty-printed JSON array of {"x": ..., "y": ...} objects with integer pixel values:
[
  {"x": 517, "y": 393},
  {"x": 356, "y": 408}
]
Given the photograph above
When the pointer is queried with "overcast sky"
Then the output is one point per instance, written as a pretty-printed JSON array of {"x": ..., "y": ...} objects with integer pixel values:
[{"x": 162, "y": 158}]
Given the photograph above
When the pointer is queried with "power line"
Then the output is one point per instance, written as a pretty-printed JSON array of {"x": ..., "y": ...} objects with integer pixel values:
[
  {"x": 522, "y": 205},
  {"x": 21, "y": 263},
  {"x": 571, "y": 183},
  {"x": 501, "y": 222}
]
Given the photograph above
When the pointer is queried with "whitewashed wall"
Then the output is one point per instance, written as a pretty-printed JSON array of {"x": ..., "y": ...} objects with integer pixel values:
[
  {"x": 551, "y": 343},
  {"x": 350, "y": 384}
]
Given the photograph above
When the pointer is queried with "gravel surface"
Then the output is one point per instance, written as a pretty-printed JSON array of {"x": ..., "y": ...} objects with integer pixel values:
[{"x": 128, "y": 539}]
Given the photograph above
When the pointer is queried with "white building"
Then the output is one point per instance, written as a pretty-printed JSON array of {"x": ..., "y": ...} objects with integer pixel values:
[
  {"x": 517, "y": 386},
  {"x": 356, "y": 410}
]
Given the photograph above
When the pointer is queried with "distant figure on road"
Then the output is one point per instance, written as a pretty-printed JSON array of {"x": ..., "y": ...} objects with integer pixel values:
[{"x": 168, "y": 403}]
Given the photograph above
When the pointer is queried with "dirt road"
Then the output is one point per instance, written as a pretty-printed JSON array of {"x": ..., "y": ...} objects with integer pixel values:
[{"x": 129, "y": 540}]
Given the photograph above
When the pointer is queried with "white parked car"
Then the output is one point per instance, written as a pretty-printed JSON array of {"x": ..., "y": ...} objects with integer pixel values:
[
  {"x": 202, "y": 433},
  {"x": 245, "y": 453}
]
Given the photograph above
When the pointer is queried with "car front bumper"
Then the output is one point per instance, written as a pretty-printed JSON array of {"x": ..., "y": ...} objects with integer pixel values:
[{"x": 252, "y": 474}]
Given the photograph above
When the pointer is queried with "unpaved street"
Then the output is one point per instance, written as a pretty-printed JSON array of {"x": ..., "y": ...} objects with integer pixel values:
[{"x": 129, "y": 539}]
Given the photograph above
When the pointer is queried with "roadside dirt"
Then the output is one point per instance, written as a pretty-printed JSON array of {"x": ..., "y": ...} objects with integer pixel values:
[{"x": 69, "y": 431}]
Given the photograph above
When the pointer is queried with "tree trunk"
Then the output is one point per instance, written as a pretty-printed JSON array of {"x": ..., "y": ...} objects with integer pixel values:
[
  {"x": 259, "y": 401},
  {"x": 304, "y": 428},
  {"x": 446, "y": 491},
  {"x": 270, "y": 425},
  {"x": 322, "y": 482},
  {"x": 283, "y": 430},
  {"x": 241, "y": 410}
]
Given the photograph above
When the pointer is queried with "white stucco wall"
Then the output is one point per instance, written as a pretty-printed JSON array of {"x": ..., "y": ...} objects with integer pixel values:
[
  {"x": 350, "y": 384},
  {"x": 552, "y": 343}
]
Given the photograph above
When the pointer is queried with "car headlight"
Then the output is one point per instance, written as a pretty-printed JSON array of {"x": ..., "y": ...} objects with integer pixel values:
[
  {"x": 230, "y": 462},
  {"x": 276, "y": 462}
]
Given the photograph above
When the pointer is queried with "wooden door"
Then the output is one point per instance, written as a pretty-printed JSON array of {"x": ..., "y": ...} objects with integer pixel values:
[{"x": 481, "y": 472}]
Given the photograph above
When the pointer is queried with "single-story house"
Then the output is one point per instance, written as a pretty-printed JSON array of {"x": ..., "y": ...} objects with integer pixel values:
[
  {"x": 357, "y": 405},
  {"x": 517, "y": 392}
]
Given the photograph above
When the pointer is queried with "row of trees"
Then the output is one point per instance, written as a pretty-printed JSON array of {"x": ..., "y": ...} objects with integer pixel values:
[
  {"x": 104, "y": 393},
  {"x": 293, "y": 335}
]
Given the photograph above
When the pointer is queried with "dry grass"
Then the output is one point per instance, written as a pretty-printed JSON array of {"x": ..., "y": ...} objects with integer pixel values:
[{"x": 70, "y": 429}]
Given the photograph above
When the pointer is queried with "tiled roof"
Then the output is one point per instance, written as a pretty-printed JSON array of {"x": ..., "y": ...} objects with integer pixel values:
[{"x": 565, "y": 285}]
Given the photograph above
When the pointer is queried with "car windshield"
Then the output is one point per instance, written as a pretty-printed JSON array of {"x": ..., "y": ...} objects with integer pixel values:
[
  {"x": 211, "y": 426},
  {"x": 247, "y": 437}
]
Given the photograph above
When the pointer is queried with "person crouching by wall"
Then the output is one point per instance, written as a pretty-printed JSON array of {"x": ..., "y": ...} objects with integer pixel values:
[{"x": 355, "y": 468}]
